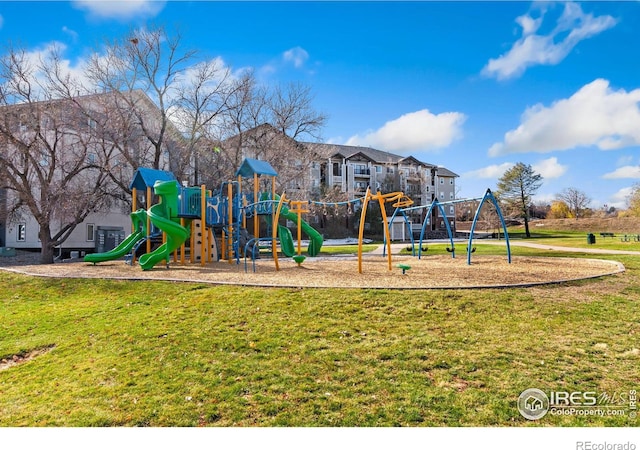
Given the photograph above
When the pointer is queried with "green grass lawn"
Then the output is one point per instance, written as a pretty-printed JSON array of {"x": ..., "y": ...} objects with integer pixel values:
[
  {"x": 346, "y": 249},
  {"x": 184, "y": 354}
]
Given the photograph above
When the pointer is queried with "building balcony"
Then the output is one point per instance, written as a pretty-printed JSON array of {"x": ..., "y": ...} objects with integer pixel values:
[{"x": 362, "y": 173}]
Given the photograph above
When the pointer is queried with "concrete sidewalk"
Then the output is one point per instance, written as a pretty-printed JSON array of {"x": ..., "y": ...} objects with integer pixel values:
[
  {"x": 602, "y": 251},
  {"x": 397, "y": 248}
]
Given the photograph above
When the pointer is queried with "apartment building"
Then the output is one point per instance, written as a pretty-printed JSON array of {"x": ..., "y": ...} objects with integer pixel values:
[
  {"x": 98, "y": 130},
  {"x": 353, "y": 169},
  {"x": 66, "y": 166}
]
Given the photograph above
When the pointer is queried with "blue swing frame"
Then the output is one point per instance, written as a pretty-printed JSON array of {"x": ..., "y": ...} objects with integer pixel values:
[{"x": 488, "y": 196}]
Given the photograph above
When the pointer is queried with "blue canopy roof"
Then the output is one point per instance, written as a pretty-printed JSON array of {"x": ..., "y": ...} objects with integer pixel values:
[
  {"x": 250, "y": 166},
  {"x": 145, "y": 177}
]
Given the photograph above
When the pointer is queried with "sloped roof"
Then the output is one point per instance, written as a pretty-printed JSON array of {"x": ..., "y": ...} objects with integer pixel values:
[
  {"x": 145, "y": 177},
  {"x": 414, "y": 160},
  {"x": 444, "y": 172},
  {"x": 357, "y": 156},
  {"x": 378, "y": 156},
  {"x": 251, "y": 166}
]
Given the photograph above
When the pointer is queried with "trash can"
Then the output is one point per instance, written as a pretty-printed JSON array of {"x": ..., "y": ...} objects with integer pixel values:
[{"x": 591, "y": 238}]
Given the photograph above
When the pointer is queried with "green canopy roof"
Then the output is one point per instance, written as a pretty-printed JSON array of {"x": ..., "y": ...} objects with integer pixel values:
[{"x": 251, "y": 167}]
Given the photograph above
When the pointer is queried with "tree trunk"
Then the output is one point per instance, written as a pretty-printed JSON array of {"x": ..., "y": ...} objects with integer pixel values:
[
  {"x": 526, "y": 227},
  {"x": 47, "y": 252}
]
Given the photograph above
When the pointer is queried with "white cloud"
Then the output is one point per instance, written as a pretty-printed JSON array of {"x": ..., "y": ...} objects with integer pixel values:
[
  {"x": 623, "y": 172},
  {"x": 121, "y": 9},
  {"x": 549, "y": 168},
  {"x": 72, "y": 33},
  {"x": 540, "y": 49},
  {"x": 545, "y": 199},
  {"x": 625, "y": 160},
  {"x": 595, "y": 115},
  {"x": 492, "y": 171},
  {"x": 620, "y": 200},
  {"x": 419, "y": 130},
  {"x": 296, "y": 55},
  {"x": 33, "y": 60},
  {"x": 529, "y": 24}
]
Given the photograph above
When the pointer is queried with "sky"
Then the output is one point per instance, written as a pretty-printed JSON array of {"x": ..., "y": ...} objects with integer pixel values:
[{"x": 473, "y": 86}]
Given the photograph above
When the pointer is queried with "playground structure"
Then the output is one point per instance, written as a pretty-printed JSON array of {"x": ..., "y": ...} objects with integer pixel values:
[
  {"x": 488, "y": 196},
  {"x": 216, "y": 225},
  {"x": 200, "y": 215}
]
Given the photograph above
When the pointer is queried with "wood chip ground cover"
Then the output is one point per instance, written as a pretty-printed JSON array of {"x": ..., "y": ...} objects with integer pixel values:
[{"x": 429, "y": 272}]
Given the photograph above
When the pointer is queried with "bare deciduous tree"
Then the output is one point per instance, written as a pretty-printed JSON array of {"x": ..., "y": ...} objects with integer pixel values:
[
  {"x": 73, "y": 144},
  {"x": 47, "y": 152},
  {"x": 187, "y": 98},
  {"x": 575, "y": 199},
  {"x": 634, "y": 201},
  {"x": 270, "y": 125}
]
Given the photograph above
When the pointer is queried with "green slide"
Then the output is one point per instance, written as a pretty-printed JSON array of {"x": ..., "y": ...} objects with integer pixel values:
[
  {"x": 315, "y": 238},
  {"x": 164, "y": 216},
  {"x": 286, "y": 239},
  {"x": 139, "y": 220}
]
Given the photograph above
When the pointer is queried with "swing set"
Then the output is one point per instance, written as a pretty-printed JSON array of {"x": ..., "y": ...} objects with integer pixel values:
[{"x": 488, "y": 196}]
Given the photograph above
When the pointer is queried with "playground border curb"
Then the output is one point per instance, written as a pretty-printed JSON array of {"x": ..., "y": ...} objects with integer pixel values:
[{"x": 620, "y": 269}]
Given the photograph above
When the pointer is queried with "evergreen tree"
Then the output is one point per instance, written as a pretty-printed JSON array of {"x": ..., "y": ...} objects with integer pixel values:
[{"x": 516, "y": 188}]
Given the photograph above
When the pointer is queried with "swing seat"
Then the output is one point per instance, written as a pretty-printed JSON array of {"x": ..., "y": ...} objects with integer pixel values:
[
  {"x": 472, "y": 249},
  {"x": 450, "y": 250}
]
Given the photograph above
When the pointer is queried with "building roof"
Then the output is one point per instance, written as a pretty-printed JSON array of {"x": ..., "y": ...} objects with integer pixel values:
[
  {"x": 377, "y": 156},
  {"x": 145, "y": 177},
  {"x": 348, "y": 151},
  {"x": 251, "y": 166},
  {"x": 414, "y": 160},
  {"x": 444, "y": 172}
]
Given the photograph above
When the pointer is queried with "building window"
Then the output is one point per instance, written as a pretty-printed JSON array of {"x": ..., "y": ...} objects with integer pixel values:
[
  {"x": 361, "y": 169},
  {"x": 22, "y": 232},
  {"x": 428, "y": 189},
  {"x": 441, "y": 180},
  {"x": 90, "y": 232},
  {"x": 378, "y": 169},
  {"x": 451, "y": 181},
  {"x": 451, "y": 210},
  {"x": 450, "y": 195},
  {"x": 360, "y": 186},
  {"x": 389, "y": 169},
  {"x": 442, "y": 195},
  {"x": 337, "y": 170}
]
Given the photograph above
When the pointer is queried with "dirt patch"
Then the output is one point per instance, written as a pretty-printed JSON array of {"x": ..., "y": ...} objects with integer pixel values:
[
  {"x": 436, "y": 271},
  {"x": 14, "y": 360}
]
